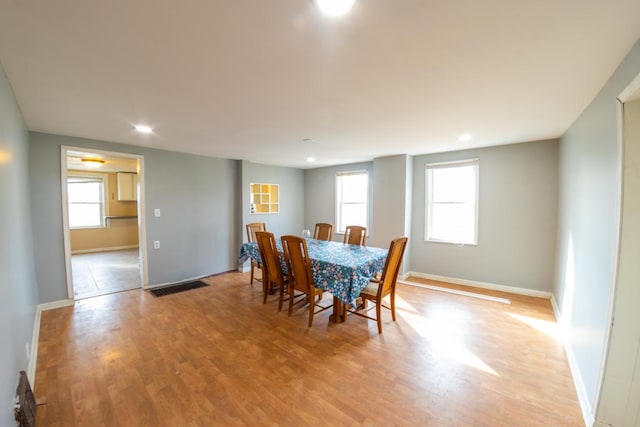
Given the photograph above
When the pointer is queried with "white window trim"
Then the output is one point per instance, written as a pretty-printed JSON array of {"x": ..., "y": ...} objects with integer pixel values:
[
  {"x": 366, "y": 220},
  {"x": 105, "y": 196},
  {"x": 441, "y": 165}
]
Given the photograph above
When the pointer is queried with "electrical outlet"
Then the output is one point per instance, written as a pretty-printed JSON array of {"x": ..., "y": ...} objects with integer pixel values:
[
  {"x": 156, "y": 244},
  {"x": 156, "y": 212},
  {"x": 28, "y": 352}
]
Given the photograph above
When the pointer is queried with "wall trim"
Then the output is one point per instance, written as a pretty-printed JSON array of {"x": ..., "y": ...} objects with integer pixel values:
[
  {"x": 483, "y": 285},
  {"x": 456, "y": 292},
  {"x": 35, "y": 337},
  {"x": 581, "y": 391},
  {"x": 109, "y": 249},
  {"x": 55, "y": 304}
]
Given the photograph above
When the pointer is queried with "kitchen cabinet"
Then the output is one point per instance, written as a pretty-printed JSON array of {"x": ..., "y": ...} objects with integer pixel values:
[{"x": 127, "y": 186}]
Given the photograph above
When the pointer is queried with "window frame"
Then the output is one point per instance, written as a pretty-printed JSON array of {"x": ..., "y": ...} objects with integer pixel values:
[
  {"x": 103, "y": 178},
  {"x": 339, "y": 202},
  {"x": 429, "y": 205}
]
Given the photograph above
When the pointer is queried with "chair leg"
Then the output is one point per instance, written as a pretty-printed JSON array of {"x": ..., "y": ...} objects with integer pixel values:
[
  {"x": 266, "y": 285},
  {"x": 312, "y": 306},
  {"x": 393, "y": 306},
  {"x": 251, "y": 281},
  {"x": 281, "y": 299},
  {"x": 378, "y": 315},
  {"x": 291, "y": 293}
]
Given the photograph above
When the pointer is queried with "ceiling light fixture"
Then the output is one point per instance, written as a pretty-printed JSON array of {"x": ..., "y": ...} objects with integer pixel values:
[
  {"x": 311, "y": 159},
  {"x": 92, "y": 163},
  {"x": 143, "y": 129},
  {"x": 465, "y": 137},
  {"x": 335, "y": 7}
]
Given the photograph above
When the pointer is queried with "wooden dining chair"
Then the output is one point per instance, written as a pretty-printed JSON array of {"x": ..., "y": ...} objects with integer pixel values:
[
  {"x": 355, "y": 235},
  {"x": 377, "y": 289},
  {"x": 272, "y": 275},
  {"x": 323, "y": 231},
  {"x": 252, "y": 228},
  {"x": 300, "y": 276}
]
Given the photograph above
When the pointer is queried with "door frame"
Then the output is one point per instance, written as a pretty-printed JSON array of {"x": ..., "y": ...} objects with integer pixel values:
[
  {"x": 142, "y": 233},
  {"x": 629, "y": 91}
]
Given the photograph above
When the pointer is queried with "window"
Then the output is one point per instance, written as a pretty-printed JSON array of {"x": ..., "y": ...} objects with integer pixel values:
[
  {"x": 86, "y": 201},
  {"x": 352, "y": 197},
  {"x": 452, "y": 209}
]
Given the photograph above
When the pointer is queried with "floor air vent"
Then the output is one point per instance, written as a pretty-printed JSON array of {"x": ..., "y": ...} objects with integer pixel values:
[{"x": 25, "y": 408}]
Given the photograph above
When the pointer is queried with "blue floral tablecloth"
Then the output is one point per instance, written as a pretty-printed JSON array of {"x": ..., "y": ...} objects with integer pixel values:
[{"x": 344, "y": 270}]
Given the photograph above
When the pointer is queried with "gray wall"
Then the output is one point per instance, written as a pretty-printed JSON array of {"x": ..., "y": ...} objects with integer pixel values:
[
  {"x": 587, "y": 224},
  {"x": 390, "y": 197},
  {"x": 320, "y": 195},
  {"x": 517, "y": 218},
  {"x": 197, "y": 197},
  {"x": 291, "y": 196},
  {"x": 18, "y": 290}
]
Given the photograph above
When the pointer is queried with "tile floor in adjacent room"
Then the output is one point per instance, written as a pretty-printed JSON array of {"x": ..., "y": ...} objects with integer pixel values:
[{"x": 102, "y": 273}]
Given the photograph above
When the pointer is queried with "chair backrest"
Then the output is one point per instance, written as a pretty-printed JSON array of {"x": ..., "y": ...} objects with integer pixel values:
[
  {"x": 392, "y": 266},
  {"x": 252, "y": 228},
  {"x": 272, "y": 269},
  {"x": 323, "y": 231},
  {"x": 298, "y": 263},
  {"x": 355, "y": 235}
]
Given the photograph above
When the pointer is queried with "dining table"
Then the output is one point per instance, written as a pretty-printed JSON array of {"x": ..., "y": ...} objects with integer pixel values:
[{"x": 338, "y": 268}]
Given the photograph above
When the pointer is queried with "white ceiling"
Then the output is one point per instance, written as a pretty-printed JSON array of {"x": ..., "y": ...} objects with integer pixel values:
[{"x": 251, "y": 80}]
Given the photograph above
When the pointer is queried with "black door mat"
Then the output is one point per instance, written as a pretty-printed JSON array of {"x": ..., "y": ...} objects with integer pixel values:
[{"x": 173, "y": 289}]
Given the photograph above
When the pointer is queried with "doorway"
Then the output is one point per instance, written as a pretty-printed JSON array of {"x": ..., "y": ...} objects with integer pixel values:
[{"x": 103, "y": 221}]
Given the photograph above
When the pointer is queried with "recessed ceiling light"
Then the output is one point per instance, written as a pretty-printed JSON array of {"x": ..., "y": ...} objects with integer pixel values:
[
  {"x": 311, "y": 159},
  {"x": 143, "y": 129},
  {"x": 335, "y": 7},
  {"x": 465, "y": 137}
]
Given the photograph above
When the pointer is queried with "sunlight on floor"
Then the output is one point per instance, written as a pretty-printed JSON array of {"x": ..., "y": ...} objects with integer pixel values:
[
  {"x": 402, "y": 304},
  {"x": 445, "y": 345},
  {"x": 545, "y": 326}
]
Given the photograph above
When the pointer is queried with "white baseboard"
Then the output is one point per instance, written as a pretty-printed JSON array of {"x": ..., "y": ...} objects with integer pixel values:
[
  {"x": 109, "y": 249},
  {"x": 581, "y": 391},
  {"x": 33, "y": 357},
  {"x": 456, "y": 292},
  {"x": 483, "y": 285}
]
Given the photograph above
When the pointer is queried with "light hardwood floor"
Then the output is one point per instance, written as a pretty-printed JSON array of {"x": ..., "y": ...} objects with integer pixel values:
[
  {"x": 218, "y": 356},
  {"x": 101, "y": 273}
]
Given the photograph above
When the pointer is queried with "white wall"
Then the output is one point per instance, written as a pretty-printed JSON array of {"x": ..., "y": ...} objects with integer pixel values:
[
  {"x": 18, "y": 291},
  {"x": 517, "y": 218},
  {"x": 587, "y": 227}
]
